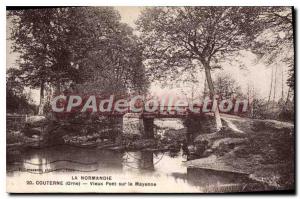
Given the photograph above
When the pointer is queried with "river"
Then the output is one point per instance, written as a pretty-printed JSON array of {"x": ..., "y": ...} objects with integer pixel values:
[{"x": 166, "y": 170}]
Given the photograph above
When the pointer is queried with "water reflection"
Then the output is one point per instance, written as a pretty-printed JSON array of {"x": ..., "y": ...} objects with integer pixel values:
[
  {"x": 160, "y": 167},
  {"x": 141, "y": 160}
]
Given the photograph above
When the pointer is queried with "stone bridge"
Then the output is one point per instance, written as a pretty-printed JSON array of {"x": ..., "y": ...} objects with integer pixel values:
[{"x": 144, "y": 121}]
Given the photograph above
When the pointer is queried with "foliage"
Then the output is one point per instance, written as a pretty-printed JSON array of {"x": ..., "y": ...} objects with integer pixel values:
[
  {"x": 227, "y": 87},
  {"x": 274, "y": 42},
  {"x": 116, "y": 68},
  {"x": 14, "y": 137},
  {"x": 60, "y": 46},
  {"x": 178, "y": 39},
  {"x": 16, "y": 100},
  {"x": 261, "y": 109},
  {"x": 37, "y": 36}
]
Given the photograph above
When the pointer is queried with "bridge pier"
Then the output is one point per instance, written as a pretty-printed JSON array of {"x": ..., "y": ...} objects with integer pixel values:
[
  {"x": 133, "y": 124},
  {"x": 148, "y": 128}
]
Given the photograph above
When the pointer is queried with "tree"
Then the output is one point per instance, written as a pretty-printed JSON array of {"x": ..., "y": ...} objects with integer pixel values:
[
  {"x": 274, "y": 38},
  {"x": 16, "y": 99},
  {"x": 177, "y": 39},
  {"x": 57, "y": 46},
  {"x": 37, "y": 35},
  {"x": 227, "y": 87},
  {"x": 274, "y": 44},
  {"x": 118, "y": 68}
]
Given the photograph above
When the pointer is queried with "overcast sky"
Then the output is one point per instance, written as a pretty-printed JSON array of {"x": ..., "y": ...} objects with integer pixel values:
[{"x": 255, "y": 74}]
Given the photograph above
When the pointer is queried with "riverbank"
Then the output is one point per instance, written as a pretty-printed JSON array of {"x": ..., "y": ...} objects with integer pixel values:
[
  {"x": 262, "y": 149},
  {"x": 39, "y": 132}
]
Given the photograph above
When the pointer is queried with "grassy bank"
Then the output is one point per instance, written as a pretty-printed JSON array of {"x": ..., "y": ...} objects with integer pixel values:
[{"x": 264, "y": 149}]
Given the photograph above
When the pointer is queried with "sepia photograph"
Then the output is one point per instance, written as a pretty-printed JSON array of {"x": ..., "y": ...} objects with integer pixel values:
[{"x": 153, "y": 99}]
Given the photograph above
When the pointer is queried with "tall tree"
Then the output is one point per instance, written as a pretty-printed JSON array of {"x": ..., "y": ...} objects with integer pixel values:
[
  {"x": 117, "y": 68},
  {"x": 58, "y": 45},
  {"x": 38, "y": 35},
  {"x": 181, "y": 38},
  {"x": 275, "y": 38},
  {"x": 271, "y": 84},
  {"x": 274, "y": 43}
]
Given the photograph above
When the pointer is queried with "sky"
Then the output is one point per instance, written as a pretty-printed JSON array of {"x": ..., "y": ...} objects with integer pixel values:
[{"x": 255, "y": 74}]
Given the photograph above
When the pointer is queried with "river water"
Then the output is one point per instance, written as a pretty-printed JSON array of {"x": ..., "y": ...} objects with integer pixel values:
[{"x": 166, "y": 172}]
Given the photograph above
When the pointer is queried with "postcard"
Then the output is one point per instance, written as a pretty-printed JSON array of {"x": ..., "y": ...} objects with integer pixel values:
[{"x": 194, "y": 99}]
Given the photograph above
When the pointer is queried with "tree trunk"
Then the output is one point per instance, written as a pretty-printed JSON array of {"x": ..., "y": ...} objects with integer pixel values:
[
  {"x": 41, "y": 106},
  {"x": 282, "y": 82},
  {"x": 275, "y": 84},
  {"x": 205, "y": 87},
  {"x": 212, "y": 95},
  {"x": 287, "y": 98},
  {"x": 271, "y": 86},
  {"x": 58, "y": 89}
]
